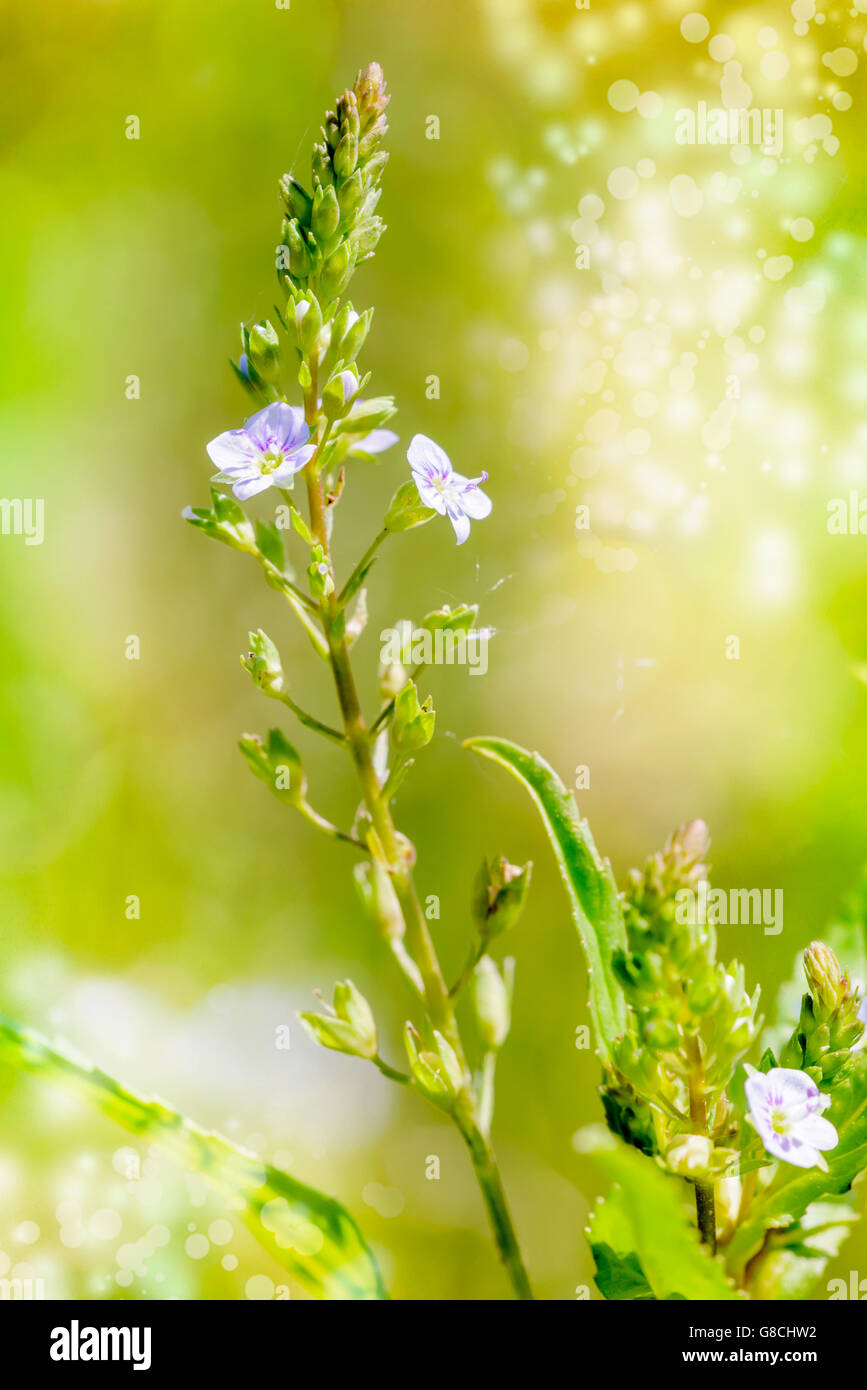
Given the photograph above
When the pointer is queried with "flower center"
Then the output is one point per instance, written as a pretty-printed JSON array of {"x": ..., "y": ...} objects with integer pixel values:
[
  {"x": 271, "y": 459},
  {"x": 779, "y": 1122}
]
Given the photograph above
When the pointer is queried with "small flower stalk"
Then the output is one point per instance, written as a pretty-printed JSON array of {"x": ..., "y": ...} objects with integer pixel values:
[
  {"x": 671, "y": 1091},
  {"x": 301, "y": 450},
  {"x": 690, "y": 1018}
]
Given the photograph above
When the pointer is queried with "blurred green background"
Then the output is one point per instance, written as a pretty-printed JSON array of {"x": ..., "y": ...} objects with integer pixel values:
[{"x": 599, "y": 386}]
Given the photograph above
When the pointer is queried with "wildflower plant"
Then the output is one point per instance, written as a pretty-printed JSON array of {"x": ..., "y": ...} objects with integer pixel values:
[
  {"x": 313, "y": 421},
  {"x": 733, "y": 1148}
]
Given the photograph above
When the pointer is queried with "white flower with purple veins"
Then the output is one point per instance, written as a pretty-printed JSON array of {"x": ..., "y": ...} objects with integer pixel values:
[
  {"x": 447, "y": 492},
  {"x": 786, "y": 1109},
  {"x": 268, "y": 450}
]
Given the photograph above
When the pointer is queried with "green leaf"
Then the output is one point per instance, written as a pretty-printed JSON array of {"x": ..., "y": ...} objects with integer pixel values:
[
  {"x": 791, "y": 1191},
  {"x": 619, "y": 1275},
  {"x": 310, "y": 1235},
  {"x": 589, "y": 881},
  {"x": 269, "y": 540},
  {"x": 797, "y": 1258},
  {"x": 644, "y": 1233}
]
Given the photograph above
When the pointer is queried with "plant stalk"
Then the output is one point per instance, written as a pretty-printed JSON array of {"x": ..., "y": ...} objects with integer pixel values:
[
  {"x": 705, "y": 1200},
  {"x": 490, "y": 1182},
  {"x": 418, "y": 939}
]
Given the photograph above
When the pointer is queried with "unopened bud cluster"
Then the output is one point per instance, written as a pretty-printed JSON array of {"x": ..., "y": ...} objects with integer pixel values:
[
  {"x": 829, "y": 1025},
  {"x": 690, "y": 1017}
]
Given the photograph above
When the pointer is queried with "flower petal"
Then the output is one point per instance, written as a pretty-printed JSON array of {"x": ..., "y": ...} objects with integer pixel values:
[
  {"x": 279, "y": 426},
  {"x": 461, "y": 524},
  {"x": 424, "y": 454},
  {"x": 376, "y": 442},
  {"x": 429, "y": 495},
  {"x": 293, "y": 463},
  {"x": 476, "y": 503},
  {"x": 794, "y": 1087},
  {"x": 231, "y": 450},
  {"x": 249, "y": 486},
  {"x": 817, "y": 1132},
  {"x": 756, "y": 1089}
]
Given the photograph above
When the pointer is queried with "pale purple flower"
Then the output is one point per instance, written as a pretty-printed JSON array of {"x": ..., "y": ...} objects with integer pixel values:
[
  {"x": 786, "y": 1109},
  {"x": 376, "y": 442},
  {"x": 269, "y": 449},
  {"x": 447, "y": 492}
]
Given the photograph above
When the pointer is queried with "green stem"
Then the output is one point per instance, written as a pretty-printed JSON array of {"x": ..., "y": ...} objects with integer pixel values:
[
  {"x": 490, "y": 1182},
  {"x": 420, "y": 953},
  {"x": 705, "y": 1201},
  {"x": 334, "y": 735},
  {"x": 705, "y": 1211},
  {"x": 486, "y": 1092},
  {"x": 328, "y": 828},
  {"x": 399, "y": 1076},
  {"x": 477, "y": 950},
  {"x": 363, "y": 564}
]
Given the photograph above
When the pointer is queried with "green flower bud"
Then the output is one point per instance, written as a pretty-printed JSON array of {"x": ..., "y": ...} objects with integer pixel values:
[
  {"x": 434, "y": 1066},
  {"x": 366, "y": 237},
  {"x": 336, "y": 272},
  {"x": 379, "y": 898},
  {"x": 263, "y": 346},
  {"x": 492, "y": 1004},
  {"x": 828, "y": 984},
  {"x": 325, "y": 217},
  {"x": 499, "y": 893},
  {"x": 301, "y": 258},
  {"x": 689, "y": 1155},
  {"x": 319, "y": 574},
  {"x": 338, "y": 393},
  {"x": 263, "y": 663},
  {"x": 413, "y": 724},
  {"x": 392, "y": 676},
  {"x": 350, "y": 197},
  {"x": 346, "y": 155},
  {"x": 355, "y": 336},
  {"x": 308, "y": 321},
  {"x": 833, "y": 1063},
  {"x": 446, "y": 619},
  {"x": 406, "y": 509},
  {"x": 367, "y": 415},
  {"x": 703, "y": 991},
  {"x": 374, "y": 167},
  {"x": 296, "y": 199},
  {"x": 349, "y": 1027},
  {"x": 322, "y": 169},
  {"x": 277, "y": 764}
]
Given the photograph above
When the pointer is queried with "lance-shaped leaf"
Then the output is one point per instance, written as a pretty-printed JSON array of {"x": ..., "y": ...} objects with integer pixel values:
[
  {"x": 791, "y": 1191},
  {"x": 644, "y": 1244},
  {"x": 588, "y": 878},
  {"x": 310, "y": 1235}
]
